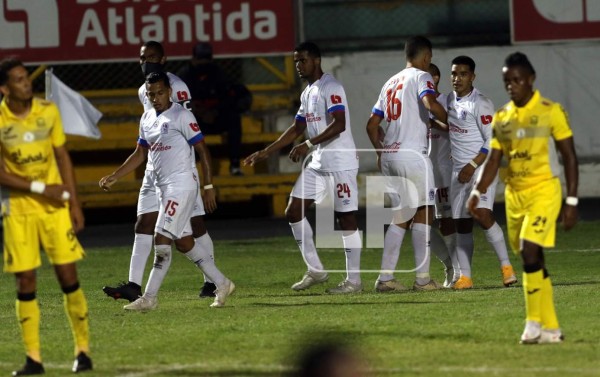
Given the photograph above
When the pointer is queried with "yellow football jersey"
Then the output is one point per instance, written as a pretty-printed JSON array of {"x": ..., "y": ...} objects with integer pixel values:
[
  {"x": 26, "y": 147},
  {"x": 526, "y": 137}
]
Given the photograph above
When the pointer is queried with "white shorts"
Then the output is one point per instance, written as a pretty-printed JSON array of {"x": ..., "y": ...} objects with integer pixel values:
[
  {"x": 443, "y": 208},
  {"x": 339, "y": 186},
  {"x": 148, "y": 201},
  {"x": 459, "y": 193},
  {"x": 412, "y": 180},
  {"x": 442, "y": 174},
  {"x": 175, "y": 212}
]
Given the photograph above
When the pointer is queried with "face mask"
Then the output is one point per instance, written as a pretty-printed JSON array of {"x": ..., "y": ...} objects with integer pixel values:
[{"x": 148, "y": 68}]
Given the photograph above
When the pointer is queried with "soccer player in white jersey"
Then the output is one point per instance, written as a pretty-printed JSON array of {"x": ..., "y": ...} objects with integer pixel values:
[
  {"x": 324, "y": 115},
  {"x": 167, "y": 134},
  {"x": 443, "y": 247},
  {"x": 469, "y": 118},
  {"x": 404, "y": 105},
  {"x": 152, "y": 59}
]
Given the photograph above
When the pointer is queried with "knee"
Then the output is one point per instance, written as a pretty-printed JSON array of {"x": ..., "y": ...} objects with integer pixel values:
[
  {"x": 293, "y": 212},
  {"x": 162, "y": 252},
  {"x": 198, "y": 227},
  {"x": 347, "y": 220}
]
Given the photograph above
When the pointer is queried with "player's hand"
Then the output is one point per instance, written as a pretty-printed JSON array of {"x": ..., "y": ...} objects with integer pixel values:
[
  {"x": 255, "y": 157},
  {"x": 298, "y": 152},
  {"x": 569, "y": 216},
  {"x": 209, "y": 198},
  {"x": 466, "y": 173},
  {"x": 106, "y": 182},
  {"x": 77, "y": 217},
  {"x": 472, "y": 203},
  {"x": 56, "y": 193}
]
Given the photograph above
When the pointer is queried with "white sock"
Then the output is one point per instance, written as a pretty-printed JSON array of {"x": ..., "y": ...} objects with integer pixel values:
[
  {"x": 439, "y": 248},
  {"x": 212, "y": 255},
  {"x": 202, "y": 256},
  {"x": 142, "y": 247},
  {"x": 450, "y": 241},
  {"x": 495, "y": 237},
  {"x": 464, "y": 252},
  {"x": 391, "y": 251},
  {"x": 303, "y": 235},
  {"x": 162, "y": 262},
  {"x": 352, "y": 256},
  {"x": 420, "y": 234}
]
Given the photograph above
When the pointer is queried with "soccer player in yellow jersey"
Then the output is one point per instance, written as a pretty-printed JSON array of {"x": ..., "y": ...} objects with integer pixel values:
[
  {"x": 39, "y": 205},
  {"x": 527, "y": 132}
]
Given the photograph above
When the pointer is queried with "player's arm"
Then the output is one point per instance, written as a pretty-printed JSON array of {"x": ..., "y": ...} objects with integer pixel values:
[
  {"x": 566, "y": 148},
  {"x": 208, "y": 192},
  {"x": 483, "y": 118},
  {"x": 431, "y": 103},
  {"x": 490, "y": 170},
  {"x": 287, "y": 137},
  {"x": 65, "y": 167},
  {"x": 131, "y": 163},
  {"x": 336, "y": 127}
]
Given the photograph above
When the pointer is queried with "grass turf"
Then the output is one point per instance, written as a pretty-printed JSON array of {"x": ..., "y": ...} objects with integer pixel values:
[{"x": 265, "y": 324}]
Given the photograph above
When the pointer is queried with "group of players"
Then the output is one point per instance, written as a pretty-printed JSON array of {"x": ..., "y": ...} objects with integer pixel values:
[{"x": 410, "y": 122}]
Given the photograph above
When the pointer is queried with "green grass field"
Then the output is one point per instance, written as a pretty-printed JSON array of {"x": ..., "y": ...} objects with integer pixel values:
[{"x": 265, "y": 324}]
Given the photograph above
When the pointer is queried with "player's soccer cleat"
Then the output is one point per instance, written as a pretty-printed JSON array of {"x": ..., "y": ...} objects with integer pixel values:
[
  {"x": 222, "y": 293},
  {"x": 142, "y": 304},
  {"x": 449, "y": 280},
  {"x": 127, "y": 291},
  {"x": 345, "y": 287},
  {"x": 208, "y": 290},
  {"x": 30, "y": 368},
  {"x": 508, "y": 276},
  {"x": 551, "y": 336},
  {"x": 532, "y": 333},
  {"x": 389, "y": 286},
  {"x": 463, "y": 282},
  {"x": 82, "y": 363},
  {"x": 431, "y": 286},
  {"x": 309, "y": 279}
]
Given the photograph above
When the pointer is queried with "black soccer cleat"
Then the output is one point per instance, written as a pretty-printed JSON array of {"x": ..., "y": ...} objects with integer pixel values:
[
  {"x": 30, "y": 368},
  {"x": 127, "y": 291},
  {"x": 208, "y": 290},
  {"x": 82, "y": 363}
]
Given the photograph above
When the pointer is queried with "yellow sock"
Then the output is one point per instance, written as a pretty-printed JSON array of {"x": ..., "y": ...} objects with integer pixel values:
[
  {"x": 77, "y": 311},
  {"x": 532, "y": 287},
  {"x": 28, "y": 315},
  {"x": 549, "y": 320}
]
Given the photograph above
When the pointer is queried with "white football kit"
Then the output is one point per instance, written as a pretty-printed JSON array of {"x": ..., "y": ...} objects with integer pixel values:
[
  {"x": 169, "y": 137},
  {"x": 147, "y": 200},
  {"x": 441, "y": 159},
  {"x": 470, "y": 121},
  {"x": 405, "y": 142},
  {"x": 334, "y": 164}
]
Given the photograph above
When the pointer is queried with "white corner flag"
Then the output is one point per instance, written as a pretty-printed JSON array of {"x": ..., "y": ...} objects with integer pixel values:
[{"x": 79, "y": 116}]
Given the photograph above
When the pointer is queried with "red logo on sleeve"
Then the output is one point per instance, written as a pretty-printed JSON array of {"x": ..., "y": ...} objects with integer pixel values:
[
  {"x": 430, "y": 85},
  {"x": 486, "y": 119},
  {"x": 182, "y": 96},
  {"x": 335, "y": 99},
  {"x": 195, "y": 127}
]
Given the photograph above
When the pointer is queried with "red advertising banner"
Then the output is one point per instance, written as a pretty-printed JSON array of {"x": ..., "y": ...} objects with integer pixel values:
[
  {"x": 554, "y": 20},
  {"x": 61, "y": 31}
]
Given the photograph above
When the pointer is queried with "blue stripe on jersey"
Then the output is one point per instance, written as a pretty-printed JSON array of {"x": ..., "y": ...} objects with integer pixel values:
[
  {"x": 336, "y": 108},
  {"x": 484, "y": 150},
  {"x": 196, "y": 139},
  {"x": 143, "y": 142},
  {"x": 425, "y": 92},
  {"x": 300, "y": 118},
  {"x": 378, "y": 112}
]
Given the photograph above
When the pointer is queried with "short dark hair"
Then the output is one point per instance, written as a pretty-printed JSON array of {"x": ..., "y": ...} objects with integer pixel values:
[
  {"x": 464, "y": 60},
  {"x": 5, "y": 66},
  {"x": 155, "y": 77},
  {"x": 518, "y": 59},
  {"x": 313, "y": 50},
  {"x": 415, "y": 45},
  {"x": 157, "y": 46},
  {"x": 434, "y": 70}
]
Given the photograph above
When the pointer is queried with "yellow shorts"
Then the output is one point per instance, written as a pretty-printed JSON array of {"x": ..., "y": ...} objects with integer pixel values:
[
  {"x": 531, "y": 214},
  {"x": 24, "y": 233}
]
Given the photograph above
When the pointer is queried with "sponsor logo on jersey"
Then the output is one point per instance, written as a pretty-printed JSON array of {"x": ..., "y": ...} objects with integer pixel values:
[
  {"x": 392, "y": 148},
  {"x": 19, "y": 159},
  {"x": 164, "y": 128},
  {"x": 159, "y": 147},
  {"x": 520, "y": 133},
  {"x": 7, "y": 133},
  {"x": 346, "y": 202},
  {"x": 28, "y": 137},
  {"x": 455, "y": 128},
  {"x": 520, "y": 155},
  {"x": 463, "y": 114},
  {"x": 312, "y": 117},
  {"x": 533, "y": 120}
]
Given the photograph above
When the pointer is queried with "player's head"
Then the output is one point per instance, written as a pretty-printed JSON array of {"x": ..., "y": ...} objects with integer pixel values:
[
  {"x": 518, "y": 75},
  {"x": 158, "y": 91},
  {"x": 418, "y": 51},
  {"x": 152, "y": 57},
  {"x": 14, "y": 80},
  {"x": 434, "y": 71},
  {"x": 462, "y": 75},
  {"x": 307, "y": 57}
]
